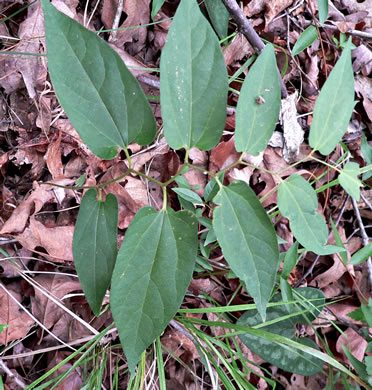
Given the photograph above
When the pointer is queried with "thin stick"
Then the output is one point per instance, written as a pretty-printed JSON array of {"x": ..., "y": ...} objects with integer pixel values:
[
  {"x": 115, "y": 25},
  {"x": 365, "y": 239},
  {"x": 11, "y": 375},
  {"x": 249, "y": 32}
]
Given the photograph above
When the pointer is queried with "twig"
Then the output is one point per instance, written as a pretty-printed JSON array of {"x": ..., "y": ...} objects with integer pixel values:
[
  {"x": 248, "y": 31},
  {"x": 365, "y": 239},
  {"x": 357, "y": 33},
  {"x": 11, "y": 375},
  {"x": 115, "y": 25}
]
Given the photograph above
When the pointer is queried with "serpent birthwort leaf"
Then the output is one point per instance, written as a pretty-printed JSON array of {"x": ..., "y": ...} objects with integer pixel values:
[
  {"x": 259, "y": 104},
  {"x": 95, "y": 246},
  {"x": 298, "y": 202},
  {"x": 305, "y": 40},
  {"x": 248, "y": 240},
  {"x": 193, "y": 81},
  {"x": 334, "y": 106},
  {"x": 219, "y": 16},
  {"x": 102, "y": 99},
  {"x": 152, "y": 272}
]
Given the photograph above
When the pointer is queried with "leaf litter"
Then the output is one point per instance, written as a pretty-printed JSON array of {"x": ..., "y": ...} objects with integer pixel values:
[{"x": 39, "y": 145}]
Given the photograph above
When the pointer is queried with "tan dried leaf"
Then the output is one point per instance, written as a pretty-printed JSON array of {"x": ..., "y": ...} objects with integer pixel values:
[
  {"x": 355, "y": 343},
  {"x": 12, "y": 314},
  {"x": 56, "y": 286},
  {"x": 57, "y": 241},
  {"x": 53, "y": 157}
]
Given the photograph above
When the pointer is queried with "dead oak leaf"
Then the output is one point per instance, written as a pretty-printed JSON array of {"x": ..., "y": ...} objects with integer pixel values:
[
  {"x": 19, "y": 322},
  {"x": 57, "y": 241},
  {"x": 57, "y": 286}
]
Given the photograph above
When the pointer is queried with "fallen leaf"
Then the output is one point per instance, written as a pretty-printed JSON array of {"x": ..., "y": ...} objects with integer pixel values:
[
  {"x": 57, "y": 286},
  {"x": 194, "y": 176},
  {"x": 53, "y": 157},
  {"x": 12, "y": 314},
  {"x": 57, "y": 241},
  {"x": 355, "y": 343},
  {"x": 363, "y": 87}
]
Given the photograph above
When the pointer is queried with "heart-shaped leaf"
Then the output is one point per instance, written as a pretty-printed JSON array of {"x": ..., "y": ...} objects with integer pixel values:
[
  {"x": 152, "y": 272},
  {"x": 193, "y": 81},
  {"x": 102, "y": 99},
  {"x": 95, "y": 246}
]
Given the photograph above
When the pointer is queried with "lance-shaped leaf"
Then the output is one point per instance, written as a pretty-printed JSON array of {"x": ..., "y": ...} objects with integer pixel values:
[
  {"x": 308, "y": 36},
  {"x": 298, "y": 202},
  {"x": 102, "y": 99},
  {"x": 95, "y": 246},
  {"x": 152, "y": 272},
  {"x": 219, "y": 16},
  {"x": 193, "y": 81},
  {"x": 258, "y": 105},
  {"x": 334, "y": 106},
  {"x": 248, "y": 240},
  {"x": 349, "y": 181}
]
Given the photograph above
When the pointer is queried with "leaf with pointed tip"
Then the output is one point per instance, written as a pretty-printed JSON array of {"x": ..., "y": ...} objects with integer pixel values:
[
  {"x": 334, "y": 106},
  {"x": 102, "y": 99},
  {"x": 95, "y": 246},
  {"x": 289, "y": 359},
  {"x": 193, "y": 81},
  {"x": 152, "y": 272},
  {"x": 306, "y": 39},
  {"x": 219, "y": 16},
  {"x": 248, "y": 240},
  {"x": 298, "y": 202},
  {"x": 258, "y": 105},
  {"x": 323, "y": 10},
  {"x": 349, "y": 181}
]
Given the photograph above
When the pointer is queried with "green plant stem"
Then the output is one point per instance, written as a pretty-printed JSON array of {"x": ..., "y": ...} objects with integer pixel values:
[{"x": 164, "y": 198}]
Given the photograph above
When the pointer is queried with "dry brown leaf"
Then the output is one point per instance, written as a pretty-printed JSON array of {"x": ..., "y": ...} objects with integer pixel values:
[
  {"x": 356, "y": 6},
  {"x": 57, "y": 286},
  {"x": 138, "y": 13},
  {"x": 53, "y": 157},
  {"x": 73, "y": 381},
  {"x": 238, "y": 48},
  {"x": 223, "y": 155},
  {"x": 363, "y": 87},
  {"x": 272, "y": 8},
  {"x": 12, "y": 314},
  {"x": 57, "y": 241},
  {"x": 355, "y": 343},
  {"x": 17, "y": 222},
  {"x": 194, "y": 176},
  {"x": 140, "y": 159},
  {"x": 44, "y": 117},
  {"x": 362, "y": 56},
  {"x": 30, "y": 32}
]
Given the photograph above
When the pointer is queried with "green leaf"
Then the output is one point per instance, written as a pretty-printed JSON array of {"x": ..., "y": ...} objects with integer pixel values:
[
  {"x": 349, "y": 181},
  {"x": 188, "y": 195},
  {"x": 219, "y": 16},
  {"x": 259, "y": 104},
  {"x": 248, "y": 240},
  {"x": 367, "y": 154},
  {"x": 212, "y": 187},
  {"x": 193, "y": 81},
  {"x": 290, "y": 360},
  {"x": 95, "y": 246},
  {"x": 152, "y": 272},
  {"x": 362, "y": 255},
  {"x": 367, "y": 312},
  {"x": 323, "y": 10},
  {"x": 298, "y": 202},
  {"x": 305, "y": 40},
  {"x": 290, "y": 261},
  {"x": 334, "y": 106},
  {"x": 3, "y": 326},
  {"x": 156, "y": 5},
  {"x": 102, "y": 99},
  {"x": 339, "y": 242},
  {"x": 359, "y": 367}
]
